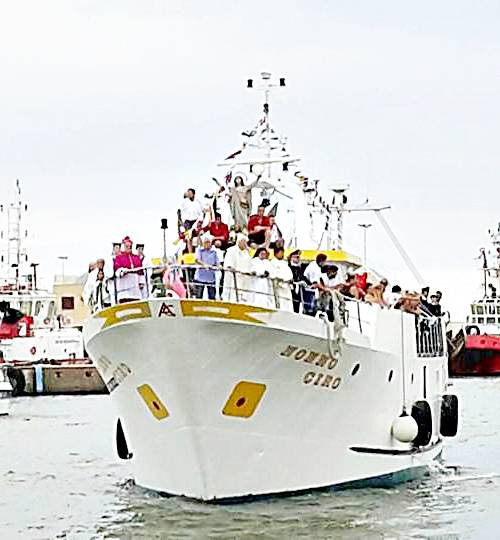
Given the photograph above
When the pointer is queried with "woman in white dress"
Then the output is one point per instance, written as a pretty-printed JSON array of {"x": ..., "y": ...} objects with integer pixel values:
[
  {"x": 260, "y": 283},
  {"x": 282, "y": 274}
]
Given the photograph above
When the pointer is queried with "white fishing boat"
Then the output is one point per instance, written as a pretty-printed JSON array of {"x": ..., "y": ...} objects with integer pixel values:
[{"x": 226, "y": 400}]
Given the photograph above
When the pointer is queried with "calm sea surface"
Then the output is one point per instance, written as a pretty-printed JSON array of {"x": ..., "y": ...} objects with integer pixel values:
[{"x": 59, "y": 479}]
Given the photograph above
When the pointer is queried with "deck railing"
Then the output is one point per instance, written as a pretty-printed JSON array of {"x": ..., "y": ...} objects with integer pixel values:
[{"x": 430, "y": 336}]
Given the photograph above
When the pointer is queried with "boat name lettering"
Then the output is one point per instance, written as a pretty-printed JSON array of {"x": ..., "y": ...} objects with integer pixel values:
[
  {"x": 118, "y": 376},
  {"x": 167, "y": 310},
  {"x": 103, "y": 363},
  {"x": 323, "y": 380},
  {"x": 310, "y": 357}
]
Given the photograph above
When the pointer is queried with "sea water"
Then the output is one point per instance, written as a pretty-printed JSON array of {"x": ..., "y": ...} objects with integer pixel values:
[{"x": 60, "y": 478}]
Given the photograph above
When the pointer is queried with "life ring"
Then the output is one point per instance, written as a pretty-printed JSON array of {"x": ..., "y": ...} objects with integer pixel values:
[
  {"x": 421, "y": 412},
  {"x": 449, "y": 415},
  {"x": 17, "y": 380},
  {"x": 469, "y": 329},
  {"x": 33, "y": 350}
]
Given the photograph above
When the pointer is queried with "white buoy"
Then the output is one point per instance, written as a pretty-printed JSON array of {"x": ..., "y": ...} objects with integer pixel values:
[{"x": 405, "y": 429}]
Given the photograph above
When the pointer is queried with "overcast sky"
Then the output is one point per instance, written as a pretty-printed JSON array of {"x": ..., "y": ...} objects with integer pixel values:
[{"x": 109, "y": 110}]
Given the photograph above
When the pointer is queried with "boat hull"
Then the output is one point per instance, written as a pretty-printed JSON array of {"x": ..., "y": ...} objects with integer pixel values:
[
  {"x": 479, "y": 357},
  {"x": 218, "y": 407}
]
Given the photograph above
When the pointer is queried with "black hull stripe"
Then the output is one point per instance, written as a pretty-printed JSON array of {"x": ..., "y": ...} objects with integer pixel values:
[{"x": 394, "y": 451}]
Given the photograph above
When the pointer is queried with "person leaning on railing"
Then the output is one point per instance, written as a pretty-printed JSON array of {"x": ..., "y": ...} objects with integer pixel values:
[
  {"x": 260, "y": 283},
  {"x": 235, "y": 288},
  {"x": 206, "y": 257},
  {"x": 282, "y": 279},
  {"x": 312, "y": 276},
  {"x": 297, "y": 278},
  {"x": 326, "y": 286},
  {"x": 129, "y": 276}
]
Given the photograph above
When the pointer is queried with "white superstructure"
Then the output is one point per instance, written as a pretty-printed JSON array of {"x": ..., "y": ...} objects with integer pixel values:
[{"x": 227, "y": 400}]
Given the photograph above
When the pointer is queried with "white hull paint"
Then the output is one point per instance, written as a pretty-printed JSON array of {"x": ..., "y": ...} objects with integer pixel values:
[
  {"x": 314, "y": 426},
  {"x": 44, "y": 345}
]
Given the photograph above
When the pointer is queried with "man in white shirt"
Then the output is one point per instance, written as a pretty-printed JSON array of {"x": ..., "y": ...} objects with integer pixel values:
[
  {"x": 191, "y": 209},
  {"x": 312, "y": 276}
]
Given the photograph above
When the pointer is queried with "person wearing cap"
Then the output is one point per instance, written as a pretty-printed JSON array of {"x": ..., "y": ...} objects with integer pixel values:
[
  {"x": 129, "y": 282},
  {"x": 207, "y": 258},
  {"x": 237, "y": 266}
]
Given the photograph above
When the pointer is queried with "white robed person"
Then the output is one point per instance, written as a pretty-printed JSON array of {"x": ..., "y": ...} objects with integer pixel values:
[
  {"x": 261, "y": 285},
  {"x": 129, "y": 276},
  {"x": 282, "y": 274},
  {"x": 91, "y": 281},
  {"x": 236, "y": 286}
]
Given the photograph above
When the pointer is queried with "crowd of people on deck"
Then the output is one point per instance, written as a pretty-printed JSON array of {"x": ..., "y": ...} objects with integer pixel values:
[
  {"x": 245, "y": 264},
  {"x": 117, "y": 280}
]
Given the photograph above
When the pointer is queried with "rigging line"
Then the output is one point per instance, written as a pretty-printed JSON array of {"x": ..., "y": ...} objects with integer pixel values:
[
  {"x": 403, "y": 360},
  {"x": 399, "y": 247}
]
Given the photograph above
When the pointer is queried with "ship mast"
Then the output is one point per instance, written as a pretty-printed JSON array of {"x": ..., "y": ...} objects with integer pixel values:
[
  {"x": 265, "y": 86},
  {"x": 14, "y": 254}
]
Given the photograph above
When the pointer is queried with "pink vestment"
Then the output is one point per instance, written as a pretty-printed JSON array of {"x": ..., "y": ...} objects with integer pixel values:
[{"x": 128, "y": 285}]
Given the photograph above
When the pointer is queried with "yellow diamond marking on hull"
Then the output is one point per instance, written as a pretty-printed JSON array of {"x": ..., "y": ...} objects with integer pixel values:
[
  {"x": 124, "y": 312},
  {"x": 154, "y": 403},
  {"x": 244, "y": 399},
  {"x": 222, "y": 310}
]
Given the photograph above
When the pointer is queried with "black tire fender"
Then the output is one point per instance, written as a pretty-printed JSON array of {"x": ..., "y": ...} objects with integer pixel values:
[
  {"x": 449, "y": 415},
  {"x": 17, "y": 380},
  {"x": 421, "y": 412}
]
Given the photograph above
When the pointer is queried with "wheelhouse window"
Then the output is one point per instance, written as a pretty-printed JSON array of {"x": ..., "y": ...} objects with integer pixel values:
[
  {"x": 490, "y": 320},
  {"x": 26, "y": 307},
  {"x": 38, "y": 306},
  {"x": 480, "y": 320},
  {"x": 68, "y": 302},
  {"x": 479, "y": 310},
  {"x": 52, "y": 309}
]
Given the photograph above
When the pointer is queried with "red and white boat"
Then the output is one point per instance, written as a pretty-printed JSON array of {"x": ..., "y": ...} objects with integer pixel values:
[
  {"x": 30, "y": 331},
  {"x": 477, "y": 345}
]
